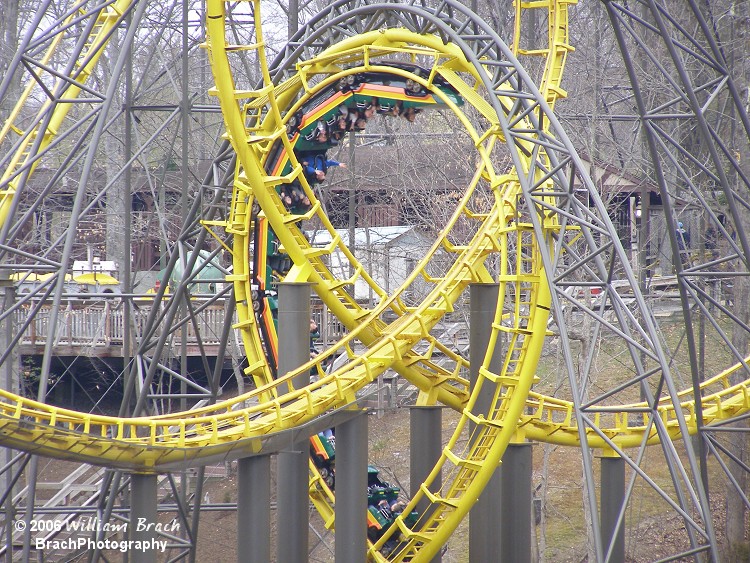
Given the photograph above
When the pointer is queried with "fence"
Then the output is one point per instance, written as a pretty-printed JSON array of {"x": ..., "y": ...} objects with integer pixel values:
[{"x": 100, "y": 324}]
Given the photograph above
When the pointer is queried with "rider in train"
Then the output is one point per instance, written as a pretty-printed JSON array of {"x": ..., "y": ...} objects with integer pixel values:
[
  {"x": 384, "y": 506},
  {"x": 316, "y": 125},
  {"x": 315, "y": 166}
]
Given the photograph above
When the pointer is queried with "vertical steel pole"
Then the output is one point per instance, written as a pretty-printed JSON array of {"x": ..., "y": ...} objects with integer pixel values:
[
  {"x": 611, "y": 497},
  {"x": 515, "y": 522},
  {"x": 185, "y": 116},
  {"x": 294, "y": 330},
  {"x": 425, "y": 438},
  {"x": 254, "y": 509},
  {"x": 292, "y": 516},
  {"x": 292, "y": 511},
  {"x": 351, "y": 490},
  {"x": 9, "y": 378},
  {"x": 484, "y": 518},
  {"x": 143, "y": 500},
  {"x": 126, "y": 281}
]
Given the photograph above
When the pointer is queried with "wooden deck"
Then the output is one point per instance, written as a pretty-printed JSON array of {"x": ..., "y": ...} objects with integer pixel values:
[{"x": 96, "y": 329}]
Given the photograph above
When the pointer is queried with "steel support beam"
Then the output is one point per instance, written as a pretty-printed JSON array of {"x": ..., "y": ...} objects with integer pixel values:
[
  {"x": 9, "y": 374},
  {"x": 254, "y": 509},
  {"x": 293, "y": 515},
  {"x": 485, "y": 516},
  {"x": 612, "y": 497},
  {"x": 294, "y": 330},
  {"x": 425, "y": 439},
  {"x": 351, "y": 490},
  {"x": 143, "y": 511},
  {"x": 515, "y": 486}
]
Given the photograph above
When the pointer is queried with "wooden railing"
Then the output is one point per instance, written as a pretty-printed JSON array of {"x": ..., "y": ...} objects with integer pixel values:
[
  {"x": 331, "y": 329},
  {"x": 100, "y": 324}
]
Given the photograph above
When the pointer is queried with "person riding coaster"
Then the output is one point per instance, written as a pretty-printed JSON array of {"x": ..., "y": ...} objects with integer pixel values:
[
  {"x": 315, "y": 167},
  {"x": 383, "y": 502},
  {"x": 383, "y": 507},
  {"x": 318, "y": 121}
]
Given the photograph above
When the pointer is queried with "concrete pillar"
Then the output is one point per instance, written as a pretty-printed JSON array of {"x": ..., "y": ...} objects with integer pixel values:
[
  {"x": 484, "y": 518},
  {"x": 425, "y": 446},
  {"x": 292, "y": 496},
  {"x": 254, "y": 509},
  {"x": 611, "y": 497},
  {"x": 516, "y": 495},
  {"x": 143, "y": 501},
  {"x": 351, "y": 490}
]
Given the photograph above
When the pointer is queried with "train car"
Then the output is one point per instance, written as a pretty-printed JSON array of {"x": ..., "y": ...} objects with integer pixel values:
[
  {"x": 355, "y": 98},
  {"x": 318, "y": 124},
  {"x": 348, "y": 104},
  {"x": 266, "y": 255},
  {"x": 323, "y": 454},
  {"x": 383, "y": 507},
  {"x": 384, "y": 504}
]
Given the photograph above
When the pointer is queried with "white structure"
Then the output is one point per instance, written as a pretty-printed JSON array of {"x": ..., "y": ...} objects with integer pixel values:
[
  {"x": 388, "y": 254},
  {"x": 94, "y": 265}
]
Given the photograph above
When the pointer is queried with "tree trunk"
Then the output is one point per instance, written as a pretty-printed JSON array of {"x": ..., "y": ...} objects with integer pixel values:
[
  {"x": 8, "y": 47},
  {"x": 118, "y": 194}
]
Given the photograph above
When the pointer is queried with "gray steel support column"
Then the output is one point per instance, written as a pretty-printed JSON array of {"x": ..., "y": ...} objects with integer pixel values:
[
  {"x": 9, "y": 374},
  {"x": 425, "y": 439},
  {"x": 351, "y": 490},
  {"x": 292, "y": 508},
  {"x": 611, "y": 497},
  {"x": 484, "y": 518},
  {"x": 185, "y": 181},
  {"x": 254, "y": 509},
  {"x": 143, "y": 504},
  {"x": 515, "y": 522},
  {"x": 294, "y": 329}
]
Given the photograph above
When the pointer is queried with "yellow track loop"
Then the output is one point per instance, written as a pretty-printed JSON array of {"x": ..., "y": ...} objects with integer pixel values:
[
  {"x": 521, "y": 277},
  {"x": 309, "y": 267},
  {"x": 436, "y": 382},
  {"x": 68, "y": 89}
]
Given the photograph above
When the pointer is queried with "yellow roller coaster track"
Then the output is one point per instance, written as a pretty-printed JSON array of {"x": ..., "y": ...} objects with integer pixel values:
[
  {"x": 254, "y": 121},
  {"x": 259, "y": 103},
  {"x": 55, "y": 431},
  {"x": 451, "y": 387}
]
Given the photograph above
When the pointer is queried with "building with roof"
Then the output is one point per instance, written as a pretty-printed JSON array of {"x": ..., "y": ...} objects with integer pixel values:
[{"x": 388, "y": 254}]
